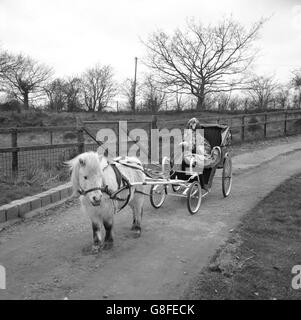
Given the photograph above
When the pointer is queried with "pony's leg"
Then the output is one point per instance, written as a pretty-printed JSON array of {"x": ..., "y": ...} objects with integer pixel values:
[
  {"x": 96, "y": 234},
  {"x": 96, "y": 224},
  {"x": 108, "y": 225},
  {"x": 97, "y": 239},
  {"x": 137, "y": 207}
]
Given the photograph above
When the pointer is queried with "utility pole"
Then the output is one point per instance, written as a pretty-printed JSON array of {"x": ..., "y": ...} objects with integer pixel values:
[{"x": 135, "y": 83}]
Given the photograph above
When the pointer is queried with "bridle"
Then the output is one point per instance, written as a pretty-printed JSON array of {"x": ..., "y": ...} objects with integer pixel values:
[{"x": 83, "y": 192}]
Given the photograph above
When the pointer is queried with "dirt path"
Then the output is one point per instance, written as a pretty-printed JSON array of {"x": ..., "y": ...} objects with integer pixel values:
[{"x": 49, "y": 257}]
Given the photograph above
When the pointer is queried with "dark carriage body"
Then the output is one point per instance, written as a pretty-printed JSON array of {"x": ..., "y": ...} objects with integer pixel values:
[
  {"x": 192, "y": 184},
  {"x": 218, "y": 136}
]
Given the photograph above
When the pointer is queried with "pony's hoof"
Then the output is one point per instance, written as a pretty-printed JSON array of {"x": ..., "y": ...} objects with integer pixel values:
[
  {"x": 108, "y": 245},
  {"x": 135, "y": 227},
  {"x": 137, "y": 233},
  {"x": 95, "y": 249}
]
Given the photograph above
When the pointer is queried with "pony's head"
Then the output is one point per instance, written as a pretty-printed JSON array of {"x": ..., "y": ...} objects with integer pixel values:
[{"x": 87, "y": 176}]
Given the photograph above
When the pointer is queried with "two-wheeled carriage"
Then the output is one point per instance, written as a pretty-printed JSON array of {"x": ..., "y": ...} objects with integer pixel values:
[{"x": 190, "y": 183}]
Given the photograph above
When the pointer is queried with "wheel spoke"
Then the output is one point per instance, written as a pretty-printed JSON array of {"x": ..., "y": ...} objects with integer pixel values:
[
  {"x": 194, "y": 193},
  {"x": 194, "y": 197},
  {"x": 157, "y": 195}
]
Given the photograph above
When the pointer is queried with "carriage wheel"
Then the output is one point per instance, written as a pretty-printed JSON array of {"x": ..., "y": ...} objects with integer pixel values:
[
  {"x": 157, "y": 195},
  {"x": 194, "y": 197},
  {"x": 227, "y": 176}
]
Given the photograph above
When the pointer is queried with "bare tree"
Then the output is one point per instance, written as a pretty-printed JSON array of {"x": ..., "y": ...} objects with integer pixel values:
[
  {"x": 296, "y": 82},
  {"x": 72, "y": 89},
  {"x": 27, "y": 77},
  {"x": 203, "y": 60},
  {"x": 235, "y": 103},
  {"x": 223, "y": 99},
  {"x": 56, "y": 92},
  {"x": 152, "y": 95},
  {"x": 64, "y": 94},
  {"x": 127, "y": 90},
  {"x": 98, "y": 87},
  {"x": 261, "y": 91},
  {"x": 281, "y": 96},
  {"x": 178, "y": 100},
  {"x": 6, "y": 62}
]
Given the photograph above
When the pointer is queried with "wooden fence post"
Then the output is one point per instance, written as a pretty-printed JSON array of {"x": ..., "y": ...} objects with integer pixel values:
[
  {"x": 242, "y": 128},
  {"x": 80, "y": 140},
  {"x": 51, "y": 137},
  {"x": 118, "y": 142},
  {"x": 14, "y": 144},
  {"x": 265, "y": 125},
  {"x": 285, "y": 123},
  {"x": 154, "y": 122}
]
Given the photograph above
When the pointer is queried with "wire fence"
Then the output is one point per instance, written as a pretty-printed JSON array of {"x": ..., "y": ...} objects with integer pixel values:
[
  {"x": 23, "y": 160},
  {"x": 18, "y": 158}
]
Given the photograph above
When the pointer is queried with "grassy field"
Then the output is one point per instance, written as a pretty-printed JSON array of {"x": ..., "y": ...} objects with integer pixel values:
[
  {"x": 168, "y": 120},
  {"x": 257, "y": 260},
  {"x": 42, "y": 118}
]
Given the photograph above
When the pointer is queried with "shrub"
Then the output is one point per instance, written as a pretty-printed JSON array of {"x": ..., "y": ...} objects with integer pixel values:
[
  {"x": 32, "y": 137},
  {"x": 3, "y": 120},
  {"x": 69, "y": 135}
]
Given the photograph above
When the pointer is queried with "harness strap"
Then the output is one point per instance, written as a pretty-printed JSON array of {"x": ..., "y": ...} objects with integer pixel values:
[
  {"x": 121, "y": 179},
  {"x": 123, "y": 184},
  {"x": 134, "y": 166},
  {"x": 117, "y": 173}
]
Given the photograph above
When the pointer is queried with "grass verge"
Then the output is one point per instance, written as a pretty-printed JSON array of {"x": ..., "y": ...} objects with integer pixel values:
[
  {"x": 33, "y": 181},
  {"x": 257, "y": 260}
]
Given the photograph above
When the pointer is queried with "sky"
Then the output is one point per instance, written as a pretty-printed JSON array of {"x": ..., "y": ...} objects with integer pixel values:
[{"x": 72, "y": 35}]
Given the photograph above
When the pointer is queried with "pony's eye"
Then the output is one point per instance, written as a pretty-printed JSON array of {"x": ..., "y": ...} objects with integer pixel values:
[{"x": 85, "y": 177}]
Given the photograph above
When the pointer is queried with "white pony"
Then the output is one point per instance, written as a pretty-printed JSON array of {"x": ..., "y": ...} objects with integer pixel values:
[{"x": 95, "y": 180}]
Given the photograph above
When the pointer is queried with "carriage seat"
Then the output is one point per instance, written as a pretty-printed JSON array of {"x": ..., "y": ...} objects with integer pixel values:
[{"x": 213, "y": 135}]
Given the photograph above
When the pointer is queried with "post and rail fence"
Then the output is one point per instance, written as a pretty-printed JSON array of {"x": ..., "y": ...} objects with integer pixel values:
[{"x": 16, "y": 156}]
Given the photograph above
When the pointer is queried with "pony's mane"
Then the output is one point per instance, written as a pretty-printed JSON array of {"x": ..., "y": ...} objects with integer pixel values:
[{"x": 90, "y": 157}]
